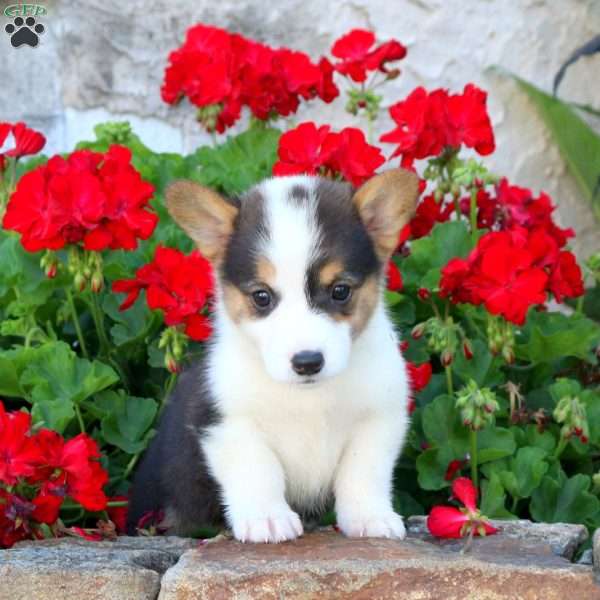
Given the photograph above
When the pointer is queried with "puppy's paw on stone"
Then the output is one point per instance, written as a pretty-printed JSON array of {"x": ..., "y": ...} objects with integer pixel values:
[
  {"x": 388, "y": 525},
  {"x": 269, "y": 528}
]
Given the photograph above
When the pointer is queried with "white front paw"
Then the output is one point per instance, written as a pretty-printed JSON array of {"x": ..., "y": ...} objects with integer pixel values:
[
  {"x": 386, "y": 525},
  {"x": 272, "y": 526}
]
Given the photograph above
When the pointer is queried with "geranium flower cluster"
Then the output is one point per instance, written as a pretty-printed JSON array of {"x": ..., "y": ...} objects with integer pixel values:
[
  {"x": 221, "y": 72},
  {"x": 16, "y": 140},
  {"x": 429, "y": 122},
  {"x": 38, "y": 471},
  {"x": 358, "y": 56},
  {"x": 316, "y": 150},
  {"x": 510, "y": 271},
  {"x": 177, "y": 284},
  {"x": 97, "y": 200}
]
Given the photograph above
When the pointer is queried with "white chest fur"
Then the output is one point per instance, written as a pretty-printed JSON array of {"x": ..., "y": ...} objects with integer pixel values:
[{"x": 306, "y": 427}]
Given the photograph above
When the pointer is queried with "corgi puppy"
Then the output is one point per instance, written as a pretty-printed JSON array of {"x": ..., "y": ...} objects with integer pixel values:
[{"x": 301, "y": 399}]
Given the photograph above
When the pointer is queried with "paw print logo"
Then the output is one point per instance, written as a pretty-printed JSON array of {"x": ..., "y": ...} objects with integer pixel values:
[{"x": 24, "y": 31}]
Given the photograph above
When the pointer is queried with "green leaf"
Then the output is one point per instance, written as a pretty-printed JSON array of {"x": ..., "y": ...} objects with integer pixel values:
[
  {"x": 578, "y": 143},
  {"x": 530, "y": 436},
  {"x": 526, "y": 471},
  {"x": 549, "y": 336},
  {"x": 493, "y": 499},
  {"x": 429, "y": 254},
  {"x": 129, "y": 324},
  {"x": 494, "y": 443},
  {"x": 240, "y": 162},
  {"x": 591, "y": 399},
  {"x": 564, "y": 387},
  {"x": 483, "y": 368},
  {"x": 406, "y": 505},
  {"x": 565, "y": 501},
  {"x": 127, "y": 420},
  {"x": 443, "y": 428},
  {"x": 432, "y": 465},
  {"x": 54, "y": 414},
  {"x": 57, "y": 375}
]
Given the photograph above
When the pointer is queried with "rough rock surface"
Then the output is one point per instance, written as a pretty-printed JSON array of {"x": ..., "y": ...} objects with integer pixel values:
[
  {"x": 526, "y": 562},
  {"x": 74, "y": 569},
  {"x": 563, "y": 538},
  {"x": 326, "y": 565},
  {"x": 104, "y": 59}
]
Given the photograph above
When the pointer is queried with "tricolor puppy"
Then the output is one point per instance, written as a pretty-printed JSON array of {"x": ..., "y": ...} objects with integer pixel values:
[{"x": 302, "y": 397}]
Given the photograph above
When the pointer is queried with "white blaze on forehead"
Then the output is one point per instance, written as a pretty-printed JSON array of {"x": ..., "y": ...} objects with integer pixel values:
[{"x": 293, "y": 234}]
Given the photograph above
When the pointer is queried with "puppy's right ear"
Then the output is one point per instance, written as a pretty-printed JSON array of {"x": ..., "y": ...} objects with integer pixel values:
[{"x": 204, "y": 215}]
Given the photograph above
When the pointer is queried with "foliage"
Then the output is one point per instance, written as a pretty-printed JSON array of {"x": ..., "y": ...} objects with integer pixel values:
[{"x": 504, "y": 388}]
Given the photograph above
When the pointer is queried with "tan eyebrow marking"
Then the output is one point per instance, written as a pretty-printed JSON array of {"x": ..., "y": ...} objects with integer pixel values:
[{"x": 330, "y": 272}]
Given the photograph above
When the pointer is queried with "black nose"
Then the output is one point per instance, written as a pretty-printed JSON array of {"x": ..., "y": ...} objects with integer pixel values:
[{"x": 307, "y": 362}]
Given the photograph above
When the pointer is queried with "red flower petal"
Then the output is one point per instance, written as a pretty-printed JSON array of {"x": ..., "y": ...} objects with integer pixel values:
[
  {"x": 464, "y": 490},
  {"x": 446, "y": 521}
]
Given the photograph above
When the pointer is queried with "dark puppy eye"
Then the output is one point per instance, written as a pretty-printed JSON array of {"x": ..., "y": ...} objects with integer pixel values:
[
  {"x": 341, "y": 293},
  {"x": 262, "y": 298}
]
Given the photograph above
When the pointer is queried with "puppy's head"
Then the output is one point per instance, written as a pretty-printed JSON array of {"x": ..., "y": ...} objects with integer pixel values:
[{"x": 299, "y": 262}]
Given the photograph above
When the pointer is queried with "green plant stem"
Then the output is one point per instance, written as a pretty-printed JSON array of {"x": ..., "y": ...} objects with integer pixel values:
[
  {"x": 562, "y": 444},
  {"x": 579, "y": 305},
  {"x": 79, "y": 418},
  {"x": 513, "y": 508},
  {"x": 98, "y": 318},
  {"x": 474, "y": 471},
  {"x": 75, "y": 318},
  {"x": 473, "y": 216},
  {"x": 117, "y": 503},
  {"x": 168, "y": 389},
  {"x": 449, "y": 382},
  {"x": 130, "y": 465}
]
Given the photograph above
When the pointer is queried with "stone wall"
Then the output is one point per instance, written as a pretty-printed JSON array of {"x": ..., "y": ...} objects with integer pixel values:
[{"x": 104, "y": 59}]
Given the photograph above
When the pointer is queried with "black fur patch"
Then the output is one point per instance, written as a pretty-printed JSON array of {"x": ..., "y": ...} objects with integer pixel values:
[
  {"x": 173, "y": 475},
  {"x": 344, "y": 239}
]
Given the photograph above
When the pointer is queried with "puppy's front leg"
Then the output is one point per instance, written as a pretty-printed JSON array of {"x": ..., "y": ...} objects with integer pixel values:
[
  {"x": 363, "y": 484},
  {"x": 252, "y": 482}
]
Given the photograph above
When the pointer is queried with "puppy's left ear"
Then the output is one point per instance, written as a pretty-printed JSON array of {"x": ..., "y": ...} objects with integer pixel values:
[{"x": 386, "y": 204}]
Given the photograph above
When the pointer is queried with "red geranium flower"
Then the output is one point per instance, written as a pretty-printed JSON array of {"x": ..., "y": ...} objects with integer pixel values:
[
  {"x": 518, "y": 207},
  {"x": 428, "y": 122},
  {"x": 24, "y": 140},
  {"x": 18, "y": 450},
  {"x": 453, "y": 468},
  {"x": 177, "y": 284},
  {"x": 311, "y": 150},
  {"x": 38, "y": 471},
  {"x": 225, "y": 71},
  {"x": 118, "y": 514},
  {"x": 419, "y": 376},
  {"x": 358, "y": 55},
  {"x": 510, "y": 271},
  {"x": 451, "y": 522},
  {"x": 429, "y": 212},
  {"x": 97, "y": 200},
  {"x": 394, "y": 277}
]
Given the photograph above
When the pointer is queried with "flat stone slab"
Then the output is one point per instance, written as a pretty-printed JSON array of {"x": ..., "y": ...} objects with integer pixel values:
[
  {"x": 326, "y": 565},
  {"x": 75, "y": 569},
  {"x": 525, "y": 561},
  {"x": 563, "y": 538}
]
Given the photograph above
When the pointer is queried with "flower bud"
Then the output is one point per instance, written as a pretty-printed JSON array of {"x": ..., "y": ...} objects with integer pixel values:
[
  {"x": 170, "y": 362},
  {"x": 424, "y": 294},
  {"x": 417, "y": 331},
  {"x": 446, "y": 358},
  {"x": 79, "y": 282},
  {"x": 467, "y": 349},
  {"x": 97, "y": 283}
]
